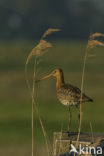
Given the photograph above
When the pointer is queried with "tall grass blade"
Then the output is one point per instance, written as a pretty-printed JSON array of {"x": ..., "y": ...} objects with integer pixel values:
[
  {"x": 38, "y": 51},
  {"x": 91, "y": 44}
]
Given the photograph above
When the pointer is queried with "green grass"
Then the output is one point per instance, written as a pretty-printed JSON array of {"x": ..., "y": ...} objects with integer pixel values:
[{"x": 15, "y": 100}]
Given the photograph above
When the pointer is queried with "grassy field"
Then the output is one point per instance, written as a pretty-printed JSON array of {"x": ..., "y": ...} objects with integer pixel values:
[{"x": 15, "y": 100}]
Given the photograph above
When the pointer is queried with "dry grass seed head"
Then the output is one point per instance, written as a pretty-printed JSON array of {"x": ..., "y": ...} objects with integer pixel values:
[
  {"x": 49, "y": 31},
  {"x": 94, "y": 43},
  {"x": 42, "y": 46},
  {"x": 92, "y": 36},
  {"x": 39, "y": 50}
]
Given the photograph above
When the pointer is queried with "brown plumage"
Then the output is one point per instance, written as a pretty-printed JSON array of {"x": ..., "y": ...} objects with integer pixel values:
[{"x": 67, "y": 94}]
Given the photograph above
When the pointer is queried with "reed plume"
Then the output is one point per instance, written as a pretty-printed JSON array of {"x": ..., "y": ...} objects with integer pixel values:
[
  {"x": 38, "y": 51},
  {"x": 48, "y": 32},
  {"x": 91, "y": 44},
  {"x": 92, "y": 36}
]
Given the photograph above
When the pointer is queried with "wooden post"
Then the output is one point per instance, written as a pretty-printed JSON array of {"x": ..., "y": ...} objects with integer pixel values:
[{"x": 63, "y": 140}]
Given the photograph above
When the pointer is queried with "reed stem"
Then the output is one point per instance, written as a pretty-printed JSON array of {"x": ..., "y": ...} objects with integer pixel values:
[
  {"x": 82, "y": 85},
  {"x": 33, "y": 94}
]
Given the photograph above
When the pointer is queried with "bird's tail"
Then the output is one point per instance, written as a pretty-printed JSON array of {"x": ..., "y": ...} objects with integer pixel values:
[
  {"x": 87, "y": 99},
  {"x": 90, "y": 100}
]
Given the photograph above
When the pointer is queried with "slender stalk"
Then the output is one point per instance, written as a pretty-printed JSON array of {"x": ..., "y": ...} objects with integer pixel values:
[
  {"x": 82, "y": 85},
  {"x": 92, "y": 132},
  {"x": 36, "y": 108},
  {"x": 33, "y": 94},
  {"x": 37, "y": 111},
  {"x": 32, "y": 129},
  {"x": 43, "y": 129}
]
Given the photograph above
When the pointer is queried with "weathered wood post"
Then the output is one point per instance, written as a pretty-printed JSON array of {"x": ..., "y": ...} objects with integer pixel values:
[{"x": 63, "y": 140}]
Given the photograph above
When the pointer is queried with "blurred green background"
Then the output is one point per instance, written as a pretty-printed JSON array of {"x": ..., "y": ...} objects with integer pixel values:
[
  {"x": 15, "y": 100},
  {"x": 21, "y": 25}
]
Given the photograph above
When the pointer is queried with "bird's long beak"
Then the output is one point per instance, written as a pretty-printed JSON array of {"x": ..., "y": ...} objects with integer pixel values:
[{"x": 45, "y": 77}]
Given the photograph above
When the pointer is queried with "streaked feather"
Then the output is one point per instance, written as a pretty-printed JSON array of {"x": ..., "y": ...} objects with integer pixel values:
[{"x": 71, "y": 95}]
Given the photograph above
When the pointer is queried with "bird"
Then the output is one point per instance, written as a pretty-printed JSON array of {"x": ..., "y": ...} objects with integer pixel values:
[{"x": 67, "y": 94}]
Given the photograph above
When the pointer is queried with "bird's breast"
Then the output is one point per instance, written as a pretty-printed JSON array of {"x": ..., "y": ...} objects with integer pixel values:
[{"x": 65, "y": 98}]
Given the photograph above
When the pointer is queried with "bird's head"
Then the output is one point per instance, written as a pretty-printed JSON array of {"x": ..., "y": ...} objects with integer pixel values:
[{"x": 56, "y": 73}]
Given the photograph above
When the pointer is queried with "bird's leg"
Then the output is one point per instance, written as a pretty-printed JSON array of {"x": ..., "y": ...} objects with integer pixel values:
[
  {"x": 78, "y": 119},
  {"x": 70, "y": 117}
]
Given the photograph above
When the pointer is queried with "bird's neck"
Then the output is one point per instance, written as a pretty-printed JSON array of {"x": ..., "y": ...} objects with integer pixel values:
[{"x": 60, "y": 81}]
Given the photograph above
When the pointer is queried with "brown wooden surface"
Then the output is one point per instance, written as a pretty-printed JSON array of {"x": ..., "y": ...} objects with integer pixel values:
[
  {"x": 62, "y": 140},
  {"x": 73, "y": 136}
]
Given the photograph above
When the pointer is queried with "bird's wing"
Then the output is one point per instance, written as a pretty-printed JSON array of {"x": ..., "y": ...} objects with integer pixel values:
[
  {"x": 71, "y": 89},
  {"x": 74, "y": 92}
]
